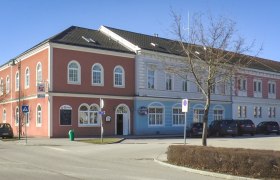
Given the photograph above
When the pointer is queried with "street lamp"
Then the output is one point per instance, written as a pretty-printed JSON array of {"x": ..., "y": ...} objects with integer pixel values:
[{"x": 13, "y": 63}]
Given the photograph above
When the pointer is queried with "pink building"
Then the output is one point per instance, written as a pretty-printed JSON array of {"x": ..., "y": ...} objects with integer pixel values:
[{"x": 77, "y": 67}]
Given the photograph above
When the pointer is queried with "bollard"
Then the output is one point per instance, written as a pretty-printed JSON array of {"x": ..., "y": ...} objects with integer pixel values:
[{"x": 71, "y": 135}]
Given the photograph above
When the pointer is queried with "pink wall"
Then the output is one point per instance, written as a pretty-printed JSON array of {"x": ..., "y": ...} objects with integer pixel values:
[
  {"x": 109, "y": 108},
  {"x": 62, "y": 57}
]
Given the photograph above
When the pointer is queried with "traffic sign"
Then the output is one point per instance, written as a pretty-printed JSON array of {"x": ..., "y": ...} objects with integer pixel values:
[
  {"x": 25, "y": 108},
  {"x": 102, "y": 112},
  {"x": 185, "y": 105}
]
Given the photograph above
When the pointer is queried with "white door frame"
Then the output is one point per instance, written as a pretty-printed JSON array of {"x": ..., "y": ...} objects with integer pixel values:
[{"x": 128, "y": 115}]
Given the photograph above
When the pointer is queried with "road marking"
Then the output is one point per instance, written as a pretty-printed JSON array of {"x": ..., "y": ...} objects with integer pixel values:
[{"x": 55, "y": 148}]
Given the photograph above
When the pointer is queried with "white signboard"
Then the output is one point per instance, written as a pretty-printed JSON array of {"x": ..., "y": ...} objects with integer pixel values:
[{"x": 185, "y": 105}]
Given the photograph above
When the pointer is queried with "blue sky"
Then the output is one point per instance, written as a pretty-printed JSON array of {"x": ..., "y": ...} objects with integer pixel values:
[{"x": 25, "y": 23}]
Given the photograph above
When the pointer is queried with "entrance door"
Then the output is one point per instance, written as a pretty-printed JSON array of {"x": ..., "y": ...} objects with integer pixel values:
[
  {"x": 125, "y": 124},
  {"x": 119, "y": 124}
]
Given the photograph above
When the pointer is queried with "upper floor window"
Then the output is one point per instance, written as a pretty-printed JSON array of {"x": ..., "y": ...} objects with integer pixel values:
[
  {"x": 97, "y": 74},
  {"x": 7, "y": 84},
  {"x": 74, "y": 73},
  {"x": 156, "y": 114},
  {"x": 39, "y": 116},
  {"x": 27, "y": 78},
  {"x": 271, "y": 87},
  {"x": 168, "y": 81},
  {"x": 151, "y": 79},
  {"x": 242, "y": 84},
  {"x": 119, "y": 76},
  {"x": 1, "y": 87},
  {"x": 39, "y": 75},
  {"x": 17, "y": 81},
  {"x": 257, "y": 86},
  {"x": 185, "y": 84}
]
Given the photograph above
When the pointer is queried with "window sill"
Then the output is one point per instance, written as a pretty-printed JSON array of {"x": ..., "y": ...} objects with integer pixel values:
[
  {"x": 119, "y": 86},
  {"x": 99, "y": 85},
  {"x": 72, "y": 83},
  {"x": 97, "y": 125}
]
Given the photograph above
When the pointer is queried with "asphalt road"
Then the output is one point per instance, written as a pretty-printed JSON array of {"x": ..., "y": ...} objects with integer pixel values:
[{"x": 132, "y": 159}]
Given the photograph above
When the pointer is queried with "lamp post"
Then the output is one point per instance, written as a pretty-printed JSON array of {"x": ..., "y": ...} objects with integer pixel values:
[{"x": 13, "y": 63}]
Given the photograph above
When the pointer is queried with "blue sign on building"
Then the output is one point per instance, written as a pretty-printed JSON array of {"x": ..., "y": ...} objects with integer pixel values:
[{"x": 25, "y": 108}]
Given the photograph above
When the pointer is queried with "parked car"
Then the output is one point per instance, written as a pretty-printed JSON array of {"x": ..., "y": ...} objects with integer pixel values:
[
  {"x": 246, "y": 126},
  {"x": 195, "y": 130},
  {"x": 222, "y": 128},
  {"x": 268, "y": 127},
  {"x": 6, "y": 130}
]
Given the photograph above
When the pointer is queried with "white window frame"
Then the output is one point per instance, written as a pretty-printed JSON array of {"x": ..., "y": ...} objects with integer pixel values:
[
  {"x": 169, "y": 81},
  {"x": 101, "y": 75},
  {"x": 179, "y": 116},
  {"x": 242, "y": 111},
  {"x": 89, "y": 113},
  {"x": 122, "y": 85},
  {"x": 39, "y": 115},
  {"x": 152, "y": 78},
  {"x": 272, "y": 89},
  {"x": 155, "y": 115},
  {"x": 271, "y": 112},
  {"x": 198, "y": 114},
  {"x": 1, "y": 87},
  {"x": 27, "y": 78},
  {"x": 257, "y": 87},
  {"x": 7, "y": 84},
  {"x": 17, "y": 81},
  {"x": 78, "y": 82},
  {"x": 218, "y": 116},
  {"x": 4, "y": 116},
  {"x": 39, "y": 73},
  {"x": 16, "y": 116}
]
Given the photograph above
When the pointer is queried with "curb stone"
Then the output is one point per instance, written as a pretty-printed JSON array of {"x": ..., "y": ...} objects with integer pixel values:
[{"x": 205, "y": 173}]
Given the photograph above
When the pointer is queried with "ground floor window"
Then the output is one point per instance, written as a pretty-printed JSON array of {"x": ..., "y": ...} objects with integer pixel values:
[
  {"x": 17, "y": 116},
  {"x": 198, "y": 115},
  {"x": 178, "y": 116},
  {"x": 39, "y": 116},
  {"x": 4, "y": 116},
  {"x": 155, "y": 114},
  {"x": 65, "y": 115},
  {"x": 88, "y": 115},
  {"x": 218, "y": 114}
]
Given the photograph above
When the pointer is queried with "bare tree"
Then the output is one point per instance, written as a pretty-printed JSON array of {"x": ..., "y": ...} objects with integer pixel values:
[{"x": 212, "y": 53}]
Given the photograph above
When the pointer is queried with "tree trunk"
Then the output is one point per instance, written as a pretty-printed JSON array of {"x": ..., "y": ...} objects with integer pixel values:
[{"x": 205, "y": 121}]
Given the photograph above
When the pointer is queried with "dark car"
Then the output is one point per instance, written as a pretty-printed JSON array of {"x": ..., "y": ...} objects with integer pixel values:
[
  {"x": 195, "y": 130},
  {"x": 6, "y": 130},
  {"x": 246, "y": 126},
  {"x": 222, "y": 128},
  {"x": 268, "y": 127}
]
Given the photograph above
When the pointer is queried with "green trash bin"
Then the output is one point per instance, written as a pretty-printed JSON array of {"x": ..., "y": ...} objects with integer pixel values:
[{"x": 71, "y": 135}]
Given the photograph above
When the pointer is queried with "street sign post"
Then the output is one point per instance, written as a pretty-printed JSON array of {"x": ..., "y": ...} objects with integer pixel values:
[
  {"x": 101, "y": 104},
  {"x": 185, "y": 107},
  {"x": 25, "y": 110}
]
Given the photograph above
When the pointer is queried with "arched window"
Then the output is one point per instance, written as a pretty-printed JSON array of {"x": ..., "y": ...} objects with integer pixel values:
[
  {"x": 119, "y": 77},
  {"x": 39, "y": 116},
  {"x": 218, "y": 112},
  {"x": 156, "y": 114},
  {"x": 1, "y": 87},
  {"x": 7, "y": 84},
  {"x": 88, "y": 115},
  {"x": 39, "y": 75},
  {"x": 178, "y": 117},
  {"x": 27, "y": 77},
  {"x": 65, "y": 115},
  {"x": 17, "y": 116},
  {"x": 97, "y": 75},
  {"x": 4, "y": 115},
  {"x": 74, "y": 73}
]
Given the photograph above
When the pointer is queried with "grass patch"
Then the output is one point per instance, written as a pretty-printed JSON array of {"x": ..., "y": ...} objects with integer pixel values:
[
  {"x": 98, "y": 141},
  {"x": 264, "y": 164}
]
